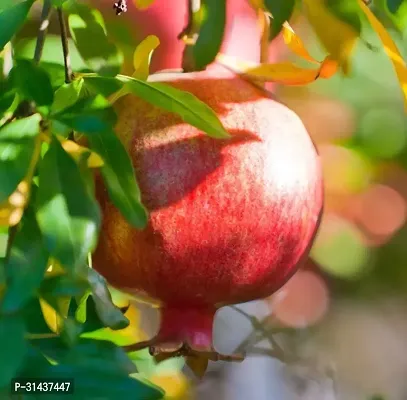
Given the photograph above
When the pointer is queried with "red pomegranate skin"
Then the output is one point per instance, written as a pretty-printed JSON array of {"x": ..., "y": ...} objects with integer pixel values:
[{"x": 231, "y": 220}]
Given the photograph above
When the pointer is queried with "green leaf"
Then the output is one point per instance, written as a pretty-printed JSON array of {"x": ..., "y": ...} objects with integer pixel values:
[
  {"x": 100, "y": 353},
  {"x": 26, "y": 265},
  {"x": 102, "y": 85},
  {"x": 88, "y": 30},
  {"x": 185, "y": 104},
  {"x": 12, "y": 346},
  {"x": 105, "y": 382},
  {"x": 119, "y": 177},
  {"x": 12, "y": 19},
  {"x": 34, "y": 318},
  {"x": 32, "y": 82},
  {"x": 91, "y": 318},
  {"x": 95, "y": 354},
  {"x": 17, "y": 143},
  {"x": 64, "y": 285},
  {"x": 71, "y": 330},
  {"x": 347, "y": 11},
  {"x": 281, "y": 11},
  {"x": 394, "y": 5},
  {"x": 211, "y": 33},
  {"x": 396, "y": 11},
  {"x": 34, "y": 363},
  {"x": 109, "y": 313},
  {"x": 7, "y": 95},
  {"x": 67, "y": 95},
  {"x": 88, "y": 115},
  {"x": 68, "y": 216}
]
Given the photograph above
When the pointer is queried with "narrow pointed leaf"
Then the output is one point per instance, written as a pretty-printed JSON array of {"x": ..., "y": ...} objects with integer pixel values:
[
  {"x": 281, "y": 11},
  {"x": 12, "y": 19},
  {"x": 17, "y": 144},
  {"x": 108, "y": 313},
  {"x": 119, "y": 177},
  {"x": 211, "y": 32},
  {"x": 26, "y": 265},
  {"x": 185, "y": 104},
  {"x": 12, "y": 346},
  {"x": 89, "y": 33},
  {"x": 296, "y": 45},
  {"x": 142, "y": 56},
  {"x": 390, "y": 48},
  {"x": 338, "y": 37},
  {"x": 32, "y": 82},
  {"x": 69, "y": 217}
]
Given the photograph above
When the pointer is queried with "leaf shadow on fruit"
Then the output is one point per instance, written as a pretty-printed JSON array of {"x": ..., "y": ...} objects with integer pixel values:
[{"x": 169, "y": 172}]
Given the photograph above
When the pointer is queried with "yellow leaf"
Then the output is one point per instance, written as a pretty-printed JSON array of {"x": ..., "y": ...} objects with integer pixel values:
[
  {"x": 338, "y": 37},
  {"x": 296, "y": 45},
  {"x": 390, "y": 48},
  {"x": 51, "y": 317},
  {"x": 143, "y": 4},
  {"x": 285, "y": 73},
  {"x": 141, "y": 62},
  {"x": 142, "y": 56},
  {"x": 12, "y": 210},
  {"x": 76, "y": 151}
]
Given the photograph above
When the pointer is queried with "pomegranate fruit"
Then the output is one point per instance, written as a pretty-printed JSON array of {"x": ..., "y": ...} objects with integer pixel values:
[{"x": 231, "y": 220}]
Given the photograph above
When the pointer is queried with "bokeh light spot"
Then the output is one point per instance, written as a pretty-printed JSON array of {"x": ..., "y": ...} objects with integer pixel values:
[
  {"x": 383, "y": 132},
  {"x": 340, "y": 249},
  {"x": 345, "y": 170},
  {"x": 381, "y": 210},
  {"x": 302, "y": 301}
]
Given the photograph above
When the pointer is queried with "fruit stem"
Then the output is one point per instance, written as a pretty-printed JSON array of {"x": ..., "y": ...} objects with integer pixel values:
[{"x": 192, "y": 325}]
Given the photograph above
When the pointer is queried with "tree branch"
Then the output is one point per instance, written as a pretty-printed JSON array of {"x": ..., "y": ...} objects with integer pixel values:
[
  {"x": 65, "y": 46},
  {"x": 42, "y": 33}
]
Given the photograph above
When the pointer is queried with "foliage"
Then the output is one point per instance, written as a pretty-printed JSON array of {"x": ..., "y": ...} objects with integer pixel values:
[{"x": 57, "y": 315}]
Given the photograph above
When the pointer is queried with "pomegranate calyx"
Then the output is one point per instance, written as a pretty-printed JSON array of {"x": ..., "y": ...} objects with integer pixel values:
[{"x": 196, "y": 358}]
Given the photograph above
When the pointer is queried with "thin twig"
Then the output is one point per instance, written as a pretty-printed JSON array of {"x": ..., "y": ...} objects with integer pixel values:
[
  {"x": 42, "y": 33},
  {"x": 266, "y": 332},
  {"x": 65, "y": 46}
]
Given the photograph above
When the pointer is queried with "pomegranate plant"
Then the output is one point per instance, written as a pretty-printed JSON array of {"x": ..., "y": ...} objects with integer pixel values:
[{"x": 193, "y": 190}]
